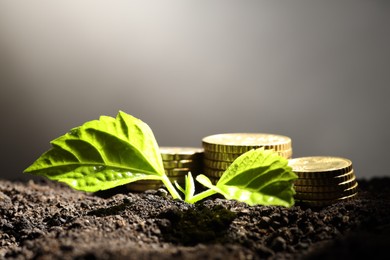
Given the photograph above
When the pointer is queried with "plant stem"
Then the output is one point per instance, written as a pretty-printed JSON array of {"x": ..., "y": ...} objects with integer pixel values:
[
  {"x": 202, "y": 195},
  {"x": 171, "y": 189}
]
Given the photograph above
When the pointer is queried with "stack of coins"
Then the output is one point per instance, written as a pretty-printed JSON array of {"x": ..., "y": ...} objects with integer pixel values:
[
  {"x": 143, "y": 185},
  {"x": 222, "y": 149},
  {"x": 177, "y": 161},
  {"x": 323, "y": 180}
]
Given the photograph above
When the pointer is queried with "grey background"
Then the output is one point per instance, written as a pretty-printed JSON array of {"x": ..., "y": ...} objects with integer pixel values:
[{"x": 317, "y": 71}]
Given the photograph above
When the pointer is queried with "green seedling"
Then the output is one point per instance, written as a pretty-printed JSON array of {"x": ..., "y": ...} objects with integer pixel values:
[{"x": 105, "y": 153}]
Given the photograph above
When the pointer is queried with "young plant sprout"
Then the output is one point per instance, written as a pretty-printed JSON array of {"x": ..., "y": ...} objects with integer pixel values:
[{"x": 105, "y": 153}]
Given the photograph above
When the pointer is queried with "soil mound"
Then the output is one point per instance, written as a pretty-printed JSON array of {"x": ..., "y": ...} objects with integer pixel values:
[{"x": 47, "y": 220}]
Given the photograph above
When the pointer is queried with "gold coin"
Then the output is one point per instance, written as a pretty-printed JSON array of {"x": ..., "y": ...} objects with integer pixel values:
[
  {"x": 286, "y": 154},
  {"x": 172, "y": 164},
  {"x": 230, "y": 157},
  {"x": 218, "y": 165},
  {"x": 212, "y": 172},
  {"x": 326, "y": 188},
  {"x": 177, "y": 172},
  {"x": 326, "y": 195},
  {"x": 243, "y": 142},
  {"x": 322, "y": 203},
  {"x": 320, "y": 166},
  {"x": 325, "y": 181},
  {"x": 216, "y": 156},
  {"x": 143, "y": 185},
  {"x": 181, "y": 153}
]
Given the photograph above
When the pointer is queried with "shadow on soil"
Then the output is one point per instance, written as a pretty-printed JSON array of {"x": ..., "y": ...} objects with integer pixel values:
[{"x": 199, "y": 224}]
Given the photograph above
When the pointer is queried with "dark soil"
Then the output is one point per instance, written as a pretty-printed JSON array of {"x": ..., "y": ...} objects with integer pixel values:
[{"x": 47, "y": 220}]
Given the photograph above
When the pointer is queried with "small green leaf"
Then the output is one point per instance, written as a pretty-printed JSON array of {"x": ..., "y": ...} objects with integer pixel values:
[
  {"x": 189, "y": 185},
  {"x": 180, "y": 188},
  {"x": 102, "y": 154},
  {"x": 257, "y": 177}
]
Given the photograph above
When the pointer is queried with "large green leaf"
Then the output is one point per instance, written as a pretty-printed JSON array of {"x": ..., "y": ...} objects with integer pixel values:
[
  {"x": 256, "y": 177},
  {"x": 102, "y": 154}
]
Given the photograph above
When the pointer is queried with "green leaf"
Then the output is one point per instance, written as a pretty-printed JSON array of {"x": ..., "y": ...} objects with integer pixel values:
[
  {"x": 190, "y": 187},
  {"x": 102, "y": 154},
  {"x": 256, "y": 177}
]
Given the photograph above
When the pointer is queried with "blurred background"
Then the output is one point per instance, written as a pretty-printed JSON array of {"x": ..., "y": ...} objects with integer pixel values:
[{"x": 316, "y": 71}]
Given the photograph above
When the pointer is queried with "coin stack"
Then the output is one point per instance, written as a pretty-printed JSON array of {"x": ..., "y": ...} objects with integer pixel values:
[
  {"x": 143, "y": 185},
  {"x": 177, "y": 161},
  {"x": 221, "y": 150},
  {"x": 323, "y": 180}
]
